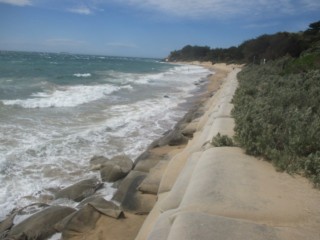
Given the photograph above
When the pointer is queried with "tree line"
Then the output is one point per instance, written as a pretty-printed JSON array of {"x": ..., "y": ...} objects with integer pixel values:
[{"x": 269, "y": 47}]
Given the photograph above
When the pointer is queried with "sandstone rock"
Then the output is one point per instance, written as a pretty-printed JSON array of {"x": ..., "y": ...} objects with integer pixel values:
[
  {"x": 40, "y": 225},
  {"x": 79, "y": 191},
  {"x": 80, "y": 222},
  {"x": 97, "y": 161},
  {"x": 107, "y": 208},
  {"x": 173, "y": 138},
  {"x": 5, "y": 225},
  {"x": 130, "y": 198},
  {"x": 116, "y": 168}
]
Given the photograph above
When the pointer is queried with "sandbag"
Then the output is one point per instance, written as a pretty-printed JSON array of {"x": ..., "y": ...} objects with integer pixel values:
[
  {"x": 151, "y": 183},
  {"x": 191, "y": 226},
  {"x": 176, "y": 194}
]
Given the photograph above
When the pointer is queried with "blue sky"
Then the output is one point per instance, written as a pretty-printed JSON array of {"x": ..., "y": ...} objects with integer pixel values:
[{"x": 145, "y": 28}]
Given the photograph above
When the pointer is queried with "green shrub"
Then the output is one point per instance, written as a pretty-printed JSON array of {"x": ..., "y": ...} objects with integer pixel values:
[
  {"x": 312, "y": 167},
  {"x": 222, "y": 141},
  {"x": 277, "y": 116}
]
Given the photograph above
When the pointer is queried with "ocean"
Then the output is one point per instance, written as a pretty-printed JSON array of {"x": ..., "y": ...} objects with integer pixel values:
[{"x": 59, "y": 110}]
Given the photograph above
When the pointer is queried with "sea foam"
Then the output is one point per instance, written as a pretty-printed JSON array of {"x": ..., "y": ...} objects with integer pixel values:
[
  {"x": 85, "y": 75},
  {"x": 48, "y": 148},
  {"x": 66, "y": 97}
]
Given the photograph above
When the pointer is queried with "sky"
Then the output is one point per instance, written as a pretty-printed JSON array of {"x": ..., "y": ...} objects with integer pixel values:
[{"x": 145, "y": 28}]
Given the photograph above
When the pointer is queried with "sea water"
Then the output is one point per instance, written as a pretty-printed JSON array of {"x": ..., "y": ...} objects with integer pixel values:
[{"x": 59, "y": 110}]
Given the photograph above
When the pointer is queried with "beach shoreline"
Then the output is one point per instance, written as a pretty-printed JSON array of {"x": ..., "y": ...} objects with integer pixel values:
[
  {"x": 182, "y": 183},
  {"x": 165, "y": 152},
  {"x": 154, "y": 162}
]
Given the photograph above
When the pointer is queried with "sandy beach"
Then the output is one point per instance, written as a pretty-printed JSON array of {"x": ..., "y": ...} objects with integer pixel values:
[{"x": 155, "y": 162}]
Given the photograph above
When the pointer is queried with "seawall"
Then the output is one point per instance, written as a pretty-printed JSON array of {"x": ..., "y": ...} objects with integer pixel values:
[{"x": 208, "y": 192}]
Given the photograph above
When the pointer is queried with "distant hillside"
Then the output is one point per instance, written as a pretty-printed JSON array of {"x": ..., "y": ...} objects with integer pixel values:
[{"x": 260, "y": 49}]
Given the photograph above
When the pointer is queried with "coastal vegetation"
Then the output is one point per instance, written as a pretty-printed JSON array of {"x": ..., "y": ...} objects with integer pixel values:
[
  {"x": 277, "y": 111},
  {"x": 222, "y": 141},
  {"x": 277, "y": 115},
  {"x": 263, "y": 48},
  {"x": 276, "y": 106}
]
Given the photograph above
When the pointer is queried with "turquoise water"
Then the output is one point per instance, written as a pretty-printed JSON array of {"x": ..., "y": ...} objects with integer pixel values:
[{"x": 58, "y": 110}]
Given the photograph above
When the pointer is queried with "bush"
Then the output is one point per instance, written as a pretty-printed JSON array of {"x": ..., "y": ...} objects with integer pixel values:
[
  {"x": 312, "y": 167},
  {"x": 277, "y": 116},
  {"x": 222, "y": 141}
]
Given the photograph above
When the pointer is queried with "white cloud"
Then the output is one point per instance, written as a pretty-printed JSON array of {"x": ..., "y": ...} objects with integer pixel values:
[
  {"x": 311, "y": 4},
  {"x": 81, "y": 10},
  {"x": 17, "y": 2},
  {"x": 224, "y": 8}
]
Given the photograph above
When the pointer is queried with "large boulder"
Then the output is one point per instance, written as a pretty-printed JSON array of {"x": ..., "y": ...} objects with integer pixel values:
[
  {"x": 130, "y": 198},
  {"x": 80, "y": 222},
  {"x": 40, "y": 225},
  {"x": 96, "y": 162},
  {"x": 107, "y": 208},
  {"x": 116, "y": 168},
  {"x": 173, "y": 138},
  {"x": 81, "y": 190},
  {"x": 5, "y": 225},
  {"x": 84, "y": 220}
]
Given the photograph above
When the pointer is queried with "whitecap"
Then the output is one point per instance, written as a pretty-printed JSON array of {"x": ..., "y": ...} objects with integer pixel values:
[
  {"x": 85, "y": 75},
  {"x": 67, "y": 97}
]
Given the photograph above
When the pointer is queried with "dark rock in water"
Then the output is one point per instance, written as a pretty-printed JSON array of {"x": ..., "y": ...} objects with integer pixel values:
[
  {"x": 79, "y": 222},
  {"x": 5, "y": 225},
  {"x": 130, "y": 198},
  {"x": 40, "y": 225},
  {"x": 97, "y": 161},
  {"x": 174, "y": 138},
  {"x": 166, "y": 96},
  {"x": 116, "y": 168},
  {"x": 79, "y": 191}
]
